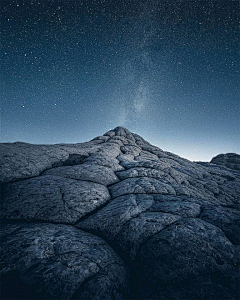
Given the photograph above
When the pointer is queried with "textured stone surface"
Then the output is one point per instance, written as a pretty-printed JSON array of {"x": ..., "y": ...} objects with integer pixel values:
[
  {"x": 190, "y": 259},
  {"x": 112, "y": 220},
  {"x": 140, "y": 186},
  {"x": 230, "y": 160},
  {"x": 49, "y": 261},
  {"x": 86, "y": 171},
  {"x": 52, "y": 198},
  {"x": 22, "y": 160},
  {"x": 174, "y": 223}
]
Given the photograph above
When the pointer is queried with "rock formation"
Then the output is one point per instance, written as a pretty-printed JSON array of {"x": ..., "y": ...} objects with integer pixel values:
[
  {"x": 229, "y": 160},
  {"x": 117, "y": 218}
]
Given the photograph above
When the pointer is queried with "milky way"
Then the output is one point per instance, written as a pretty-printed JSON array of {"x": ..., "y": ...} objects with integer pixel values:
[{"x": 167, "y": 70}]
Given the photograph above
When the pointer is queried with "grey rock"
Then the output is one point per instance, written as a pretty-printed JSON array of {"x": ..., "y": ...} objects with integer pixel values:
[
  {"x": 59, "y": 262},
  {"x": 174, "y": 223},
  {"x": 190, "y": 259},
  {"x": 86, "y": 171},
  {"x": 121, "y": 132},
  {"x": 224, "y": 217},
  {"x": 133, "y": 150},
  {"x": 188, "y": 207},
  {"x": 52, "y": 199},
  {"x": 144, "y": 172},
  {"x": 22, "y": 160},
  {"x": 110, "y": 221},
  {"x": 105, "y": 161},
  {"x": 143, "y": 185},
  {"x": 139, "y": 229},
  {"x": 230, "y": 160},
  {"x": 73, "y": 159},
  {"x": 106, "y": 156}
]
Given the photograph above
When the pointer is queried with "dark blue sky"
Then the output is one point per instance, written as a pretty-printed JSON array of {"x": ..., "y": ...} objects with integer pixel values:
[{"x": 167, "y": 70}]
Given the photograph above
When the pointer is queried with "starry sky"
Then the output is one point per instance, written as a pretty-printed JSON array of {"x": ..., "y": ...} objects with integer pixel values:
[{"x": 167, "y": 70}]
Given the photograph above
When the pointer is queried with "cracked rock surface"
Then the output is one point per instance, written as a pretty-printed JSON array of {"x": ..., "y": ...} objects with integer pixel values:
[
  {"x": 51, "y": 261},
  {"x": 52, "y": 198},
  {"x": 118, "y": 218}
]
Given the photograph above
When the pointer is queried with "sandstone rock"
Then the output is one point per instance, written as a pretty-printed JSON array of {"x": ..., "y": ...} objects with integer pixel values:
[
  {"x": 46, "y": 261},
  {"x": 22, "y": 160},
  {"x": 86, "y": 171},
  {"x": 174, "y": 223},
  {"x": 230, "y": 160},
  {"x": 190, "y": 259},
  {"x": 52, "y": 199},
  {"x": 140, "y": 186},
  {"x": 110, "y": 221}
]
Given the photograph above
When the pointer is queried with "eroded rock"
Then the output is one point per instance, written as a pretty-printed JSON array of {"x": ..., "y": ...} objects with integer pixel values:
[
  {"x": 143, "y": 185},
  {"x": 86, "y": 171},
  {"x": 190, "y": 259},
  {"x": 230, "y": 160},
  {"x": 48, "y": 261},
  {"x": 52, "y": 198},
  {"x": 175, "y": 223}
]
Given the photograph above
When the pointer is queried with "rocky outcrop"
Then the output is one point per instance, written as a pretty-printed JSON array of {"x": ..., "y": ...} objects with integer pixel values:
[
  {"x": 229, "y": 160},
  {"x": 117, "y": 218}
]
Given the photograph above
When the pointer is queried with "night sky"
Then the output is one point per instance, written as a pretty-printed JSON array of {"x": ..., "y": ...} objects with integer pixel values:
[{"x": 167, "y": 70}]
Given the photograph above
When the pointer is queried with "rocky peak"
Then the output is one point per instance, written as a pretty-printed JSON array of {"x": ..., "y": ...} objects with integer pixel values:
[{"x": 120, "y": 131}]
